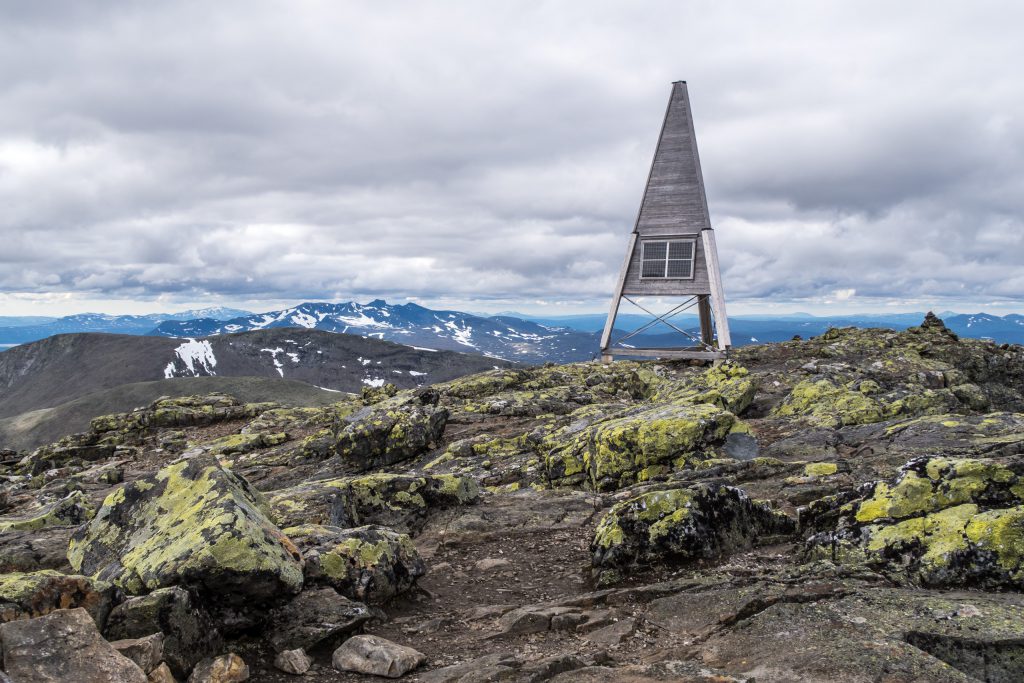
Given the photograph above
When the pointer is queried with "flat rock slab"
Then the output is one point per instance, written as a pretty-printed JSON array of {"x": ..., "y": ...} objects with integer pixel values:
[
  {"x": 873, "y": 633},
  {"x": 63, "y": 646},
  {"x": 313, "y": 617},
  {"x": 662, "y": 672},
  {"x": 377, "y": 656},
  {"x": 614, "y": 633}
]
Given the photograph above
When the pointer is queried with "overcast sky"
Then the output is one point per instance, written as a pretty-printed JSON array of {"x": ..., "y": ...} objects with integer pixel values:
[{"x": 491, "y": 155}]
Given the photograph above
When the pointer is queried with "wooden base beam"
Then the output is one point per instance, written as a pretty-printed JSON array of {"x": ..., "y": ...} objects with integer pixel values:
[{"x": 668, "y": 354}]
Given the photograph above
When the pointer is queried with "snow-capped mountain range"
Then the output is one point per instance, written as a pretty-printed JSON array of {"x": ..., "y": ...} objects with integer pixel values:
[
  {"x": 19, "y": 330},
  {"x": 410, "y": 324}
]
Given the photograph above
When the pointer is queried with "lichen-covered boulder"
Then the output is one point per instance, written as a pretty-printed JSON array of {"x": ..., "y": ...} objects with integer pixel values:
[
  {"x": 370, "y": 563},
  {"x": 63, "y": 646},
  {"x": 238, "y": 444},
  {"x": 188, "y": 411},
  {"x": 33, "y": 594},
  {"x": 195, "y": 524},
  {"x": 694, "y": 523},
  {"x": 189, "y": 632},
  {"x": 941, "y": 522},
  {"x": 932, "y": 484},
  {"x": 610, "y": 452},
  {"x": 72, "y": 510},
  {"x": 399, "y": 501},
  {"x": 838, "y": 402},
  {"x": 382, "y": 434},
  {"x": 729, "y": 386}
]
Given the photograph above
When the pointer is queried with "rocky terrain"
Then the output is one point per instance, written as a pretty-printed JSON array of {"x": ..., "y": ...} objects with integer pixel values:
[{"x": 844, "y": 508}]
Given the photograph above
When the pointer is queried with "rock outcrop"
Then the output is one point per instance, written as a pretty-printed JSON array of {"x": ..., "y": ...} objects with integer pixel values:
[
  {"x": 942, "y": 522},
  {"x": 848, "y": 507}
]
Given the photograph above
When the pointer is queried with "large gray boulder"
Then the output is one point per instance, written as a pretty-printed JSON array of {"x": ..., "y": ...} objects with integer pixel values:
[{"x": 61, "y": 647}]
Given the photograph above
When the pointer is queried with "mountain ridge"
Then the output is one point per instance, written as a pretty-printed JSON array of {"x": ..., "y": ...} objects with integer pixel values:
[{"x": 58, "y": 369}]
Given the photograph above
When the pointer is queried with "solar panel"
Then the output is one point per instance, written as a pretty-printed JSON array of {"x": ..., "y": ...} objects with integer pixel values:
[
  {"x": 679, "y": 268},
  {"x": 680, "y": 250}
]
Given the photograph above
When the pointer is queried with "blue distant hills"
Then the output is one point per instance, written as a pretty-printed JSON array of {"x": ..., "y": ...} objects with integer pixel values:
[
  {"x": 512, "y": 336},
  {"x": 759, "y": 329}
]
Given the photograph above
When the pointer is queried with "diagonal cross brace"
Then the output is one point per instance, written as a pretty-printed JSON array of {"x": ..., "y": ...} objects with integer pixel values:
[{"x": 664, "y": 318}]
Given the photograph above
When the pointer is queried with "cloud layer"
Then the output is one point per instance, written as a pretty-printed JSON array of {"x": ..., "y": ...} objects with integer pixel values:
[{"x": 495, "y": 153}]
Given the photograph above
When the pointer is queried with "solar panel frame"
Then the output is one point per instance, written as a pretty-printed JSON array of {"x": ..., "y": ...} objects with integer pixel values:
[{"x": 667, "y": 259}]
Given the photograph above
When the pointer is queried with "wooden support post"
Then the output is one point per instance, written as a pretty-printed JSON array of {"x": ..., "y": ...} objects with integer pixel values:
[
  {"x": 613, "y": 311},
  {"x": 704, "y": 309},
  {"x": 717, "y": 293}
]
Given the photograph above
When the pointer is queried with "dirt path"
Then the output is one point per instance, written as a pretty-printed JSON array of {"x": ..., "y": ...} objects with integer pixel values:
[{"x": 509, "y": 551}]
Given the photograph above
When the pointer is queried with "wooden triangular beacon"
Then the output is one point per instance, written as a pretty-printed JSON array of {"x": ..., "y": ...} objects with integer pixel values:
[{"x": 671, "y": 254}]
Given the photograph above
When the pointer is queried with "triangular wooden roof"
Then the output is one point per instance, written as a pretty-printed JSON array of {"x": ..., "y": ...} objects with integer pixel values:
[{"x": 674, "y": 199}]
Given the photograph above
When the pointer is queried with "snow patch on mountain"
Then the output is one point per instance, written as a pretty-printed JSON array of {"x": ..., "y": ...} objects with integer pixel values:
[
  {"x": 196, "y": 356},
  {"x": 304, "y": 320},
  {"x": 273, "y": 355}
]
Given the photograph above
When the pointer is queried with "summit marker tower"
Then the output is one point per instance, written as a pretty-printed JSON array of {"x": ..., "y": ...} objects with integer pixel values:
[{"x": 671, "y": 253}]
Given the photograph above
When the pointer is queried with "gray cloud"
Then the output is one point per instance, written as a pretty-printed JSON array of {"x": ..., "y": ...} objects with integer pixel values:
[{"x": 496, "y": 153}]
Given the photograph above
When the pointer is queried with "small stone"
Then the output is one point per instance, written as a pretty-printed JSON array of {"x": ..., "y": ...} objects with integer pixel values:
[
  {"x": 968, "y": 610},
  {"x": 377, "y": 656},
  {"x": 147, "y": 652},
  {"x": 229, "y": 668},
  {"x": 293, "y": 661},
  {"x": 162, "y": 674},
  {"x": 489, "y": 563}
]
